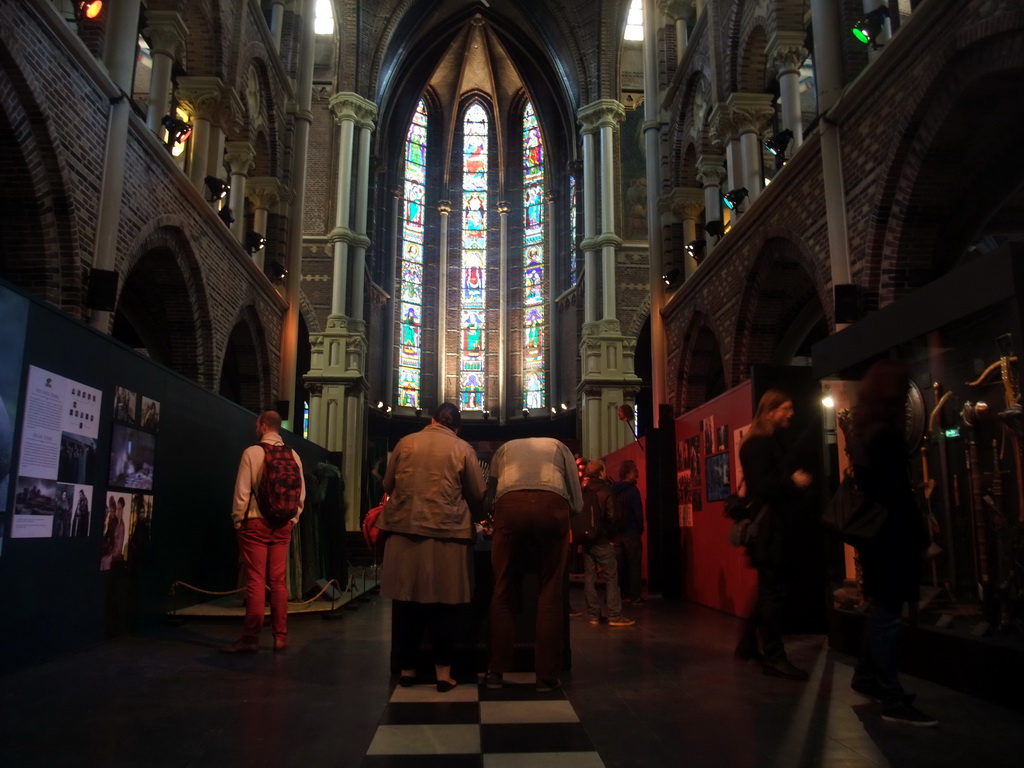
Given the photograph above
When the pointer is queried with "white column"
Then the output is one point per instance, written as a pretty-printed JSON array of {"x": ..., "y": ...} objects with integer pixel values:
[
  {"x": 201, "y": 97},
  {"x": 687, "y": 205},
  {"x": 753, "y": 176},
  {"x": 276, "y": 25},
  {"x": 444, "y": 208},
  {"x": 263, "y": 193},
  {"x": 787, "y": 54},
  {"x": 656, "y": 259},
  {"x": 165, "y": 32},
  {"x": 590, "y": 306},
  {"x": 239, "y": 159},
  {"x": 503, "y": 288},
  {"x": 608, "y": 193},
  {"x": 828, "y": 66},
  {"x": 710, "y": 172},
  {"x": 362, "y": 195},
  {"x": 293, "y": 255},
  {"x": 342, "y": 107},
  {"x": 119, "y": 57},
  {"x": 675, "y": 10},
  {"x": 315, "y": 406},
  {"x": 550, "y": 238}
]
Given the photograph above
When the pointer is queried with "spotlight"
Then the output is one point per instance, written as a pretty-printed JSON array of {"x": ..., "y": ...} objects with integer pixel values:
[
  {"x": 564, "y": 407},
  {"x": 277, "y": 271},
  {"x": 226, "y": 216},
  {"x": 696, "y": 249},
  {"x": 867, "y": 29},
  {"x": 380, "y": 405},
  {"x": 90, "y": 9},
  {"x": 714, "y": 228},
  {"x": 734, "y": 198},
  {"x": 254, "y": 241},
  {"x": 828, "y": 402},
  {"x": 218, "y": 188},
  {"x": 487, "y": 414},
  {"x": 387, "y": 409},
  {"x": 672, "y": 276},
  {"x": 419, "y": 412},
  {"x": 526, "y": 412},
  {"x": 779, "y": 143},
  {"x": 178, "y": 131},
  {"x": 554, "y": 411}
]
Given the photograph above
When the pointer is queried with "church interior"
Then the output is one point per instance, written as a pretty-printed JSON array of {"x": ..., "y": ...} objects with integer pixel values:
[{"x": 613, "y": 223}]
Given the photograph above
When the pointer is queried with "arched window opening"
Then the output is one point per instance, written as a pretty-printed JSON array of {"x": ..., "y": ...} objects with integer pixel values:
[{"x": 410, "y": 350}]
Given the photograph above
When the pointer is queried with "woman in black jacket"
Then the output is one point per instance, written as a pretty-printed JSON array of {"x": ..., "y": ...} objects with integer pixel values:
[
  {"x": 891, "y": 563},
  {"x": 771, "y": 481}
]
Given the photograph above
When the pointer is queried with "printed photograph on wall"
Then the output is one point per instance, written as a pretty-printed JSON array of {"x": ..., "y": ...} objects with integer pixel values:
[
  {"x": 140, "y": 526},
  {"x": 694, "y": 460},
  {"x": 718, "y": 477},
  {"x": 722, "y": 438},
  {"x": 115, "y": 531},
  {"x": 150, "y": 414},
  {"x": 58, "y": 445},
  {"x": 132, "y": 458},
  {"x": 125, "y": 404},
  {"x": 707, "y": 429}
]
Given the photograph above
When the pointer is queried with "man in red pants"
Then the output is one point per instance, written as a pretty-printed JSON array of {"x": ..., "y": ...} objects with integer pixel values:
[
  {"x": 537, "y": 490},
  {"x": 262, "y": 545}
]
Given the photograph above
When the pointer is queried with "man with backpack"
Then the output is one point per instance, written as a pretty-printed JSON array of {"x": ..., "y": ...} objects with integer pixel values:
[
  {"x": 595, "y": 529},
  {"x": 269, "y": 493}
]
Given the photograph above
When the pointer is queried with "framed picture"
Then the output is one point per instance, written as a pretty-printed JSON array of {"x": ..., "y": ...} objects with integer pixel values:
[{"x": 718, "y": 477}]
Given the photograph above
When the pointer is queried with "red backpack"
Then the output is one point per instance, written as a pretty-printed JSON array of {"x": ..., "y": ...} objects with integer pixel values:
[{"x": 280, "y": 486}]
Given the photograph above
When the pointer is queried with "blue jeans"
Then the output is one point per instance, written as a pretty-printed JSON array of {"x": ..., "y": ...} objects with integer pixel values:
[
  {"x": 876, "y": 666},
  {"x": 603, "y": 555}
]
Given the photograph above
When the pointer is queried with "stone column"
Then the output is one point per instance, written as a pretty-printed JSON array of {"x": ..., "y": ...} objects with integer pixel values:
[
  {"x": 710, "y": 172},
  {"x": 263, "y": 192},
  {"x": 166, "y": 33},
  {"x": 588, "y": 245},
  {"x": 687, "y": 204},
  {"x": 316, "y": 392},
  {"x": 444, "y": 208},
  {"x": 361, "y": 241},
  {"x": 345, "y": 115},
  {"x": 276, "y": 25},
  {"x": 119, "y": 57},
  {"x": 201, "y": 97},
  {"x": 751, "y": 114},
  {"x": 676, "y": 10},
  {"x": 550, "y": 240},
  {"x": 787, "y": 54},
  {"x": 503, "y": 309},
  {"x": 607, "y": 375},
  {"x": 828, "y": 51},
  {"x": 239, "y": 157}
]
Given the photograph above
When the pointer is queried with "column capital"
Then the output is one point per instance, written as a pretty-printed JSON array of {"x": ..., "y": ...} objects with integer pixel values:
[
  {"x": 711, "y": 170},
  {"x": 503, "y": 208},
  {"x": 676, "y": 9},
  {"x": 685, "y": 202},
  {"x": 786, "y": 51},
  {"x": 604, "y": 113},
  {"x": 444, "y": 207},
  {"x": 751, "y": 112},
  {"x": 551, "y": 196},
  {"x": 351, "y": 106},
  {"x": 315, "y": 388},
  {"x": 263, "y": 191},
  {"x": 165, "y": 31},
  {"x": 239, "y": 156},
  {"x": 207, "y": 98}
]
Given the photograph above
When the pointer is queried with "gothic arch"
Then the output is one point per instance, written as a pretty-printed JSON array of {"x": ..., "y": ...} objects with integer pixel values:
[
  {"x": 162, "y": 306},
  {"x": 784, "y": 295},
  {"x": 41, "y": 250},
  {"x": 951, "y": 180},
  {"x": 245, "y": 369},
  {"x": 701, "y": 374}
]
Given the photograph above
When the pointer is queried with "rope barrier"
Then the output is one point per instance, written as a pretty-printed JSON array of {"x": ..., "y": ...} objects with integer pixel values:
[{"x": 327, "y": 586}]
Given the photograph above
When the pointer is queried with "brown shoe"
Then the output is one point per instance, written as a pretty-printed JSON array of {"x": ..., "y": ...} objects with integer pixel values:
[
  {"x": 240, "y": 646},
  {"x": 280, "y": 644}
]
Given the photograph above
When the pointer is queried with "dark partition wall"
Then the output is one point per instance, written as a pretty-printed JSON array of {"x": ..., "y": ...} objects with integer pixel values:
[{"x": 167, "y": 447}]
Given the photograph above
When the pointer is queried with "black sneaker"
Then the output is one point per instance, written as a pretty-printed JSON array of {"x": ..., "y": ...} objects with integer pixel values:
[
  {"x": 784, "y": 669},
  {"x": 906, "y": 714},
  {"x": 493, "y": 680},
  {"x": 871, "y": 691}
]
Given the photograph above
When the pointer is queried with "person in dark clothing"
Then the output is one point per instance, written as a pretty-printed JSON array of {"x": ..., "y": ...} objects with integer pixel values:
[
  {"x": 629, "y": 544},
  {"x": 600, "y": 553},
  {"x": 891, "y": 563},
  {"x": 771, "y": 481}
]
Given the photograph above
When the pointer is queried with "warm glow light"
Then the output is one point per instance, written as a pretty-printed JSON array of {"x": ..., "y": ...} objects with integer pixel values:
[
  {"x": 828, "y": 402},
  {"x": 91, "y": 9}
]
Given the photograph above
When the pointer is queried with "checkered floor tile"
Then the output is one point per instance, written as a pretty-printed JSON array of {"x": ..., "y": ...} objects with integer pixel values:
[{"x": 514, "y": 727}]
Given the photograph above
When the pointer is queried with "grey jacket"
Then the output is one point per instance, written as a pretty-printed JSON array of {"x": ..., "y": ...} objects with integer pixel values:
[
  {"x": 537, "y": 464},
  {"x": 435, "y": 486}
]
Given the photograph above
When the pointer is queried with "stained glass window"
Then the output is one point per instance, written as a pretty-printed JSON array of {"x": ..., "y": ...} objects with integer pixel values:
[
  {"x": 573, "y": 247},
  {"x": 410, "y": 346},
  {"x": 472, "y": 392},
  {"x": 534, "y": 266}
]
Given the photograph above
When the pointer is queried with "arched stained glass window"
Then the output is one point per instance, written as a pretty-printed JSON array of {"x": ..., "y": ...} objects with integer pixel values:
[
  {"x": 410, "y": 348},
  {"x": 472, "y": 392},
  {"x": 534, "y": 266},
  {"x": 573, "y": 248}
]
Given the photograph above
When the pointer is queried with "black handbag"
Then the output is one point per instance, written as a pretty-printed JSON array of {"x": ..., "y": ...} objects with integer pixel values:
[{"x": 852, "y": 516}]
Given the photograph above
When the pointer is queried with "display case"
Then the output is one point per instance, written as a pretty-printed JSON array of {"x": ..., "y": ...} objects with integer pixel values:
[{"x": 960, "y": 337}]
